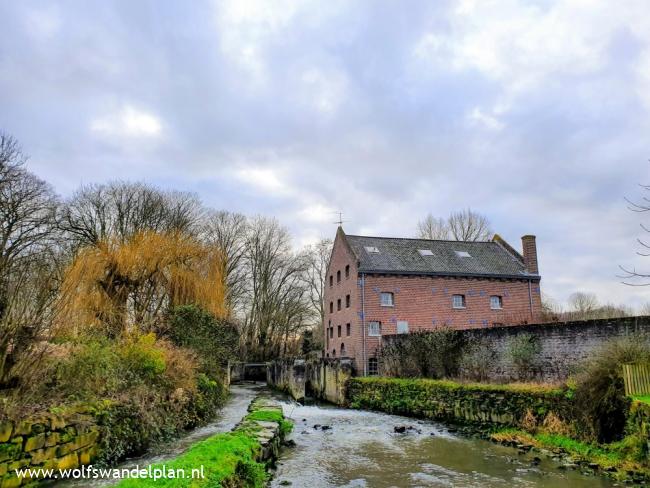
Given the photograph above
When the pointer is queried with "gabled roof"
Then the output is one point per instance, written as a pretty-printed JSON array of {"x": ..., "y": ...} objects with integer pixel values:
[{"x": 433, "y": 257}]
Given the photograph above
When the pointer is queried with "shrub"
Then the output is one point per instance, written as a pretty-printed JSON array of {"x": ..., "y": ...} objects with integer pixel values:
[
  {"x": 214, "y": 341},
  {"x": 523, "y": 350},
  {"x": 89, "y": 370},
  {"x": 600, "y": 392},
  {"x": 141, "y": 358},
  {"x": 433, "y": 354},
  {"x": 476, "y": 359}
]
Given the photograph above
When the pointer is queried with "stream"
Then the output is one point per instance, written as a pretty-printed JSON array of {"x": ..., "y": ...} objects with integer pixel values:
[{"x": 361, "y": 449}]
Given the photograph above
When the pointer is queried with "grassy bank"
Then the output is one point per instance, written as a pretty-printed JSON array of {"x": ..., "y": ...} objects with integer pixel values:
[
  {"x": 622, "y": 460},
  {"x": 238, "y": 458}
]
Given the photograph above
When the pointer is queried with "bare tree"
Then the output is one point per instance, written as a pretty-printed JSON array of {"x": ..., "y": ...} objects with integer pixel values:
[
  {"x": 464, "y": 225},
  {"x": 277, "y": 304},
  {"x": 318, "y": 260},
  {"x": 228, "y": 231},
  {"x": 120, "y": 210},
  {"x": 645, "y": 309},
  {"x": 433, "y": 228},
  {"x": 631, "y": 276},
  {"x": 583, "y": 305},
  {"x": 28, "y": 208},
  {"x": 467, "y": 225}
]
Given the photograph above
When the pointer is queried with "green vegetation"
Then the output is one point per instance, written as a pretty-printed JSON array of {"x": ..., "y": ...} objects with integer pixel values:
[
  {"x": 626, "y": 455},
  {"x": 432, "y": 354},
  {"x": 214, "y": 340},
  {"x": 459, "y": 402},
  {"x": 230, "y": 459},
  {"x": 600, "y": 401},
  {"x": 271, "y": 416},
  {"x": 642, "y": 398},
  {"x": 523, "y": 350},
  {"x": 225, "y": 458}
]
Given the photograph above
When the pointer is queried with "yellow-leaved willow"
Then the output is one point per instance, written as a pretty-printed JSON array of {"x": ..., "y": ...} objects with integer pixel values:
[{"x": 119, "y": 285}]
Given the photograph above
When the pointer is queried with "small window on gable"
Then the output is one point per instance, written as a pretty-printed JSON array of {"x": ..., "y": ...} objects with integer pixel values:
[
  {"x": 347, "y": 301},
  {"x": 347, "y": 329},
  {"x": 371, "y": 249},
  {"x": 496, "y": 302},
  {"x": 425, "y": 252},
  {"x": 342, "y": 349},
  {"x": 331, "y": 307},
  {"x": 347, "y": 270},
  {"x": 338, "y": 331},
  {"x": 387, "y": 299},
  {"x": 402, "y": 327},
  {"x": 331, "y": 280},
  {"x": 374, "y": 329},
  {"x": 463, "y": 254},
  {"x": 458, "y": 301},
  {"x": 338, "y": 305},
  {"x": 338, "y": 276}
]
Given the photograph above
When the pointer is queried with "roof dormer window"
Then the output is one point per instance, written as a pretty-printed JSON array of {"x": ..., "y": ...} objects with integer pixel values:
[
  {"x": 371, "y": 249},
  {"x": 462, "y": 254},
  {"x": 425, "y": 252}
]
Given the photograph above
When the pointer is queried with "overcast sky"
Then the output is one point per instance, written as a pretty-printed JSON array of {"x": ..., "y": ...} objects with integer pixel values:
[{"x": 536, "y": 114}]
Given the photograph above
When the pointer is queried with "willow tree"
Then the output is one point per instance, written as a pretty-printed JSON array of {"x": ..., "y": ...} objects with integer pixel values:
[{"x": 117, "y": 285}]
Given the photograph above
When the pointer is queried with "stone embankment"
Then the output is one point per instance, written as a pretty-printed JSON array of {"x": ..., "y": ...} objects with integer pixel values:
[{"x": 49, "y": 442}]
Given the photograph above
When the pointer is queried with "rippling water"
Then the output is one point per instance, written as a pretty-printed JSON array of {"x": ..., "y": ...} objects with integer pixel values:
[{"x": 362, "y": 450}]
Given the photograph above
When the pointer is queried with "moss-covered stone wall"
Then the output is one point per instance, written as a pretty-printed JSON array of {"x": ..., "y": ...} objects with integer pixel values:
[
  {"x": 506, "y": 405},
  {"x": 49, "y": 441}
]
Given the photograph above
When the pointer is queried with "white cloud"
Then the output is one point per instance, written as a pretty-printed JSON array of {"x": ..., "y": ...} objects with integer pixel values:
[
  {"x": 324, "y": 90},
  {"x": 128, "y": 122},
  {"x": 478, "y": 117}
]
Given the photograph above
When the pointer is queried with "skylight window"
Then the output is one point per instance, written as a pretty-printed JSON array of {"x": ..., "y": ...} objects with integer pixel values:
[
  {"x": 372, "y": 249},
  {"x": 425, "y": 252},
  {"x": 462, "y": 254}
]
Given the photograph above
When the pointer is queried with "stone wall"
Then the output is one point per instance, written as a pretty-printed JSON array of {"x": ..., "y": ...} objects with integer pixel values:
[
  {"x": 323, "y": 378},
  {"x": 49, "y": 442},
  {"x": 562, "y": 345},
  {"x": 459, "y": 403}
]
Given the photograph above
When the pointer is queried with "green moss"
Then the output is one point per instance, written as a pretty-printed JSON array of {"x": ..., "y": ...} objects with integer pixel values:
[
  {"x": 642, "y": 398},
  {"x": 271, "y": 415},
  {"x": 224, "y": 457},
  {"x": 623, "y": 455}
]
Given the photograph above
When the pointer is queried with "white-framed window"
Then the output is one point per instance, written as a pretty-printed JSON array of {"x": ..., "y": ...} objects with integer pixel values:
[
  {"x": 458, "y": 301},
  {"x": 387, "y": 299},
  {"x": 402, "y": 327},
  {"x": 373, "y": 367},
  {"x": 374, "y": 328},
  {"x": 372, "y": 249},
  {"x": 496, "y": 302}
]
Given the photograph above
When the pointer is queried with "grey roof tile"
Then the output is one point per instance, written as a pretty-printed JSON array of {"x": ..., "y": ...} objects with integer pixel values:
[{"x": 399, "y": 255}]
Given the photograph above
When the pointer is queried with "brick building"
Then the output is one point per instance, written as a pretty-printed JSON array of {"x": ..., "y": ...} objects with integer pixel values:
[{"x": 378, "y": 286}]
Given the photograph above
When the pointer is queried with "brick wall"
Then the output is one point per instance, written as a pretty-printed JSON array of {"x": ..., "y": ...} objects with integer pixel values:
[
  {"x": 352, "y": 344},
  {"x": 424, "y": 302},
  {"x": 562, "y": 345}
]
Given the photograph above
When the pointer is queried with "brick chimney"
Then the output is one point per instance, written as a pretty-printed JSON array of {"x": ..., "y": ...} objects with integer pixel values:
[{"x": 530, "y": 254}]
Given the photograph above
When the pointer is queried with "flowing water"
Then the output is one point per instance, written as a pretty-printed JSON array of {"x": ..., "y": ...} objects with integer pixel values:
[{"x": 361, "y": 449}]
